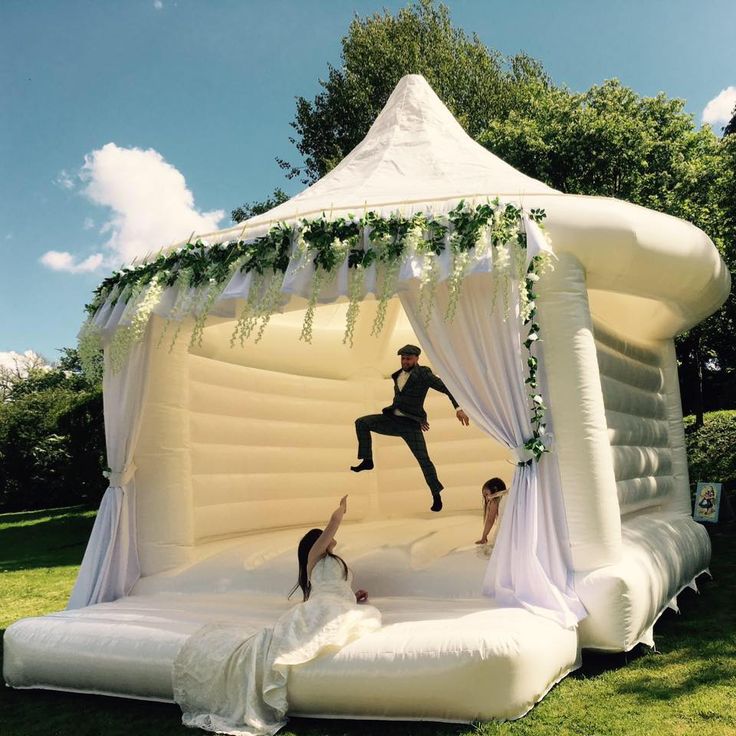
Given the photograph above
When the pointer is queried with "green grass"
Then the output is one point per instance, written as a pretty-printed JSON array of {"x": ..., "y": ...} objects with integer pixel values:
[
  {"x": 688, "y": 687},
  {"x": 40, "y": 553}
]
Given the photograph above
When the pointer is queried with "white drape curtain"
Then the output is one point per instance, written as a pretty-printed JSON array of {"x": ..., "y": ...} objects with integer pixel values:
[
  {"x": 481, "y": 357},
  {"x": 110, "y": 566}
]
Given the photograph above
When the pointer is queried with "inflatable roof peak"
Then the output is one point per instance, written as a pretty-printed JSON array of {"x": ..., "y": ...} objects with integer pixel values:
[
  {"x": 414, "y": 152},
  {"x": 417, "y": 158}
]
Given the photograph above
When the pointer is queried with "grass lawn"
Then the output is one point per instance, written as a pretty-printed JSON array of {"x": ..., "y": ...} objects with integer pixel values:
[{"x": 687, "y": 687}]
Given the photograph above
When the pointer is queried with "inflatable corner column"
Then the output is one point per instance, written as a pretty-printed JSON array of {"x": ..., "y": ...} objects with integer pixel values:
[
  {"x": 164, "y": 479},
  {"x": 679, "y": 499},
  {"x": 579, "y": 421}
]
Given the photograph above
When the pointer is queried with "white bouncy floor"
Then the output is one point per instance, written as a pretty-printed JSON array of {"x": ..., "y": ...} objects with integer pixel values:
[{"x": 444, "y": 651}]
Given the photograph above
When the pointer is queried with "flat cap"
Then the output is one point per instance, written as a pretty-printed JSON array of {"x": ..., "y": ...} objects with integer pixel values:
[{"x": 409, "y": 350}]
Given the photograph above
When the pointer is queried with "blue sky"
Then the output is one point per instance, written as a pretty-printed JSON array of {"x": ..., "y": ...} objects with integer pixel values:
[{"x": 205, "y": 91}]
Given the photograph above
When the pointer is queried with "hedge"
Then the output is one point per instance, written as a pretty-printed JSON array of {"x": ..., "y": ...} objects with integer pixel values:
[{"x": 711, "y": 449}]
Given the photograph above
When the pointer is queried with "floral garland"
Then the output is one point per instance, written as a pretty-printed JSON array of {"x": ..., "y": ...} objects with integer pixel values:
[
  {"x": 201, "y": 271},
  {"x": 528, "y": 311}
]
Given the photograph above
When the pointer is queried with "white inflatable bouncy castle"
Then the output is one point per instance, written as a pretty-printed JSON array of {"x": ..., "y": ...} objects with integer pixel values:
[{"x": 558, "y": 344}]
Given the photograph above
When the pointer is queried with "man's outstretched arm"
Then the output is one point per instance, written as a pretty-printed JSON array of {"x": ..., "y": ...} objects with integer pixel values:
[{"x": 438, "y": 384}]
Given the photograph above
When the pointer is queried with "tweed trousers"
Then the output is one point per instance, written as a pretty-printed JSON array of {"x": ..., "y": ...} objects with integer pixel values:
[{"x": 409, "y": 430}]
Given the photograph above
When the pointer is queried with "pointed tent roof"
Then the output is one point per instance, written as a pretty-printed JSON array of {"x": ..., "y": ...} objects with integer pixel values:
[
  {"x": 415, "y": 151},
  {"x": 417, "y": 157}
]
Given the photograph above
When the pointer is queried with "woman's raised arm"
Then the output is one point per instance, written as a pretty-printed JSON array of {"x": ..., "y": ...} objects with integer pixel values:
[{"x": 324, "y": 540}]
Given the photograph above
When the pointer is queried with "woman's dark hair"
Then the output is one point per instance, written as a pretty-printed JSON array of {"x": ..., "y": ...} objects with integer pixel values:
[
  {"x": 494, "y": 485},
  {"x": 302, "y": 553}
]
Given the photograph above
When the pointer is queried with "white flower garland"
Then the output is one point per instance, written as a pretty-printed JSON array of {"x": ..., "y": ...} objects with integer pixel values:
[
  {"x": 263, "y": 299},
  {"x": 460, "y": 263},
  {"x": 269, "y": 302},
  {"x": 322, "y": 278},
  {"x": 248, "y": 317},
  {"x": 491, "y": 230},
  {"x": 89, "y": 347},
  {"x": 181, "y": 306},
  {"x": 389, "y": 273},
  {"x": 356, "y": 286},
  {"x": 145, "y": 298},
  {"x": 206, "y": 298},
  {"x": 428, "y": 286}
]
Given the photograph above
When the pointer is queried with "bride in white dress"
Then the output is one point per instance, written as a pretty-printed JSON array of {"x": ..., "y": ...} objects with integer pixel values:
[{"x": 230, "y": 680}]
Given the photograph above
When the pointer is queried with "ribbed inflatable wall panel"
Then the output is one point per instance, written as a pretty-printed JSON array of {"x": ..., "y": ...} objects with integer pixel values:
[{"x": 632, "y": 382}]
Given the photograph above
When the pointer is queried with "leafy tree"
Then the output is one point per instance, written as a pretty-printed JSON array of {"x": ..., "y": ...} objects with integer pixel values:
[
  {"x": 606, "y": 141},
  {"x": 10, "y": 375},
  {"x": 251, "y": 209},
  {"x": 711, "y": 449},
  {"x": 477, "y": 84},
  {"x": 610, "y": 141},
  {"x": 730, "y": 129},
  {"x": 51, "y": 437}
]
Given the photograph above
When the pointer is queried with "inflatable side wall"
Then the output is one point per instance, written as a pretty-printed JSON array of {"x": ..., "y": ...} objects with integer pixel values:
[{"x": 618, "y": 432}]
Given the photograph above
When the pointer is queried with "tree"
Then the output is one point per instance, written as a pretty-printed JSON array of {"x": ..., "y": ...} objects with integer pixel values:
[
  {"x": 51, "y": 437},
  {"x": 610, "y": 141},
  {"x": 477, "y": 84},
  {"x": 14, "y": 373},
  {"x": 251, "y": 209},
  {"x": 730, "y": 129},
  {"x": 607, "y": 141}
]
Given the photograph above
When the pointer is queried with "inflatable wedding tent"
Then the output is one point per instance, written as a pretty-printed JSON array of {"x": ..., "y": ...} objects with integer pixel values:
[{"x": 551, "y": 319}]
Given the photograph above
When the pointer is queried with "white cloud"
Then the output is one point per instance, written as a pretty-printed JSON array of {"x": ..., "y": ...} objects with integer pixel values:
[
  {"x": 64, "y": 180},
  {"x": 21, "y": 362},
  {"x": 88, "y": 223},
  {"x": 158, "y": 4},
  {"x": 719, "y": 110},
  {"x": 150, "y": 207},
  {"x": 64, "y": 261},
  {"x": 151, "y": 204}
]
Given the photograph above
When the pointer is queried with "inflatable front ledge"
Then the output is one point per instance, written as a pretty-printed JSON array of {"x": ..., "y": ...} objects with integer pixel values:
[{"x": 443, "y": 653}]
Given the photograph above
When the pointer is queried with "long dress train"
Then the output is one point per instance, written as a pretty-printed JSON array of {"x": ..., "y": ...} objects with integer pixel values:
[{"x": 232, "y": 680}]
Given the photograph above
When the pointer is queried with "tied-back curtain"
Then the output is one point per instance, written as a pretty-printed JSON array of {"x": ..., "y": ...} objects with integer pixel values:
[
  {"x": 481, "y": 357},
  {"x": 110, "y": 566}
]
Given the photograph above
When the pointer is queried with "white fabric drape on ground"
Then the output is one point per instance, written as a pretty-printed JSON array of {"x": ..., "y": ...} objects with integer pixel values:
[
  {"x": 110, "y": 566},
  {"x": 481, "y": 357}
]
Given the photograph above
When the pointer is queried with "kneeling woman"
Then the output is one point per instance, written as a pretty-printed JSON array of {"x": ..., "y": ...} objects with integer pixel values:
[{"x": 233, "y": 681}]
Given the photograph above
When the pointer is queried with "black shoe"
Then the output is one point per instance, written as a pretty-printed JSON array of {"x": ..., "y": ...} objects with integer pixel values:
[
  {"x": 364, "y": 465},
  {"x": 437, "y": 501}
]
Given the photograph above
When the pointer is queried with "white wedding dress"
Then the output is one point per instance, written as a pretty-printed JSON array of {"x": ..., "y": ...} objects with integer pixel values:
[{"x": 230, "y": 680}]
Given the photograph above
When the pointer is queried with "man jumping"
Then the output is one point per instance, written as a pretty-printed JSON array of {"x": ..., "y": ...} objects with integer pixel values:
[{"x": 406, "y": 418}]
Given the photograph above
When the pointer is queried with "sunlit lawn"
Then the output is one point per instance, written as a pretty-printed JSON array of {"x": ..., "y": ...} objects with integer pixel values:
[{"x": 688, "y": 687}]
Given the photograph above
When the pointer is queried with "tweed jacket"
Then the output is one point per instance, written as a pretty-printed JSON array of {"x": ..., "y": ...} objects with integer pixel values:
[{"x": 410, "y": 401}]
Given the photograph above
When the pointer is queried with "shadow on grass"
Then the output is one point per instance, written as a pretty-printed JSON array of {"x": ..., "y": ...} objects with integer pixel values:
[
  {"x": 25, "y": 517},
  {"x": 696, "y": 649},
  {"x": 330, "y": 727},
  {"x": 598, "y": 663},
  {"x": 36, "y": 539}
]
